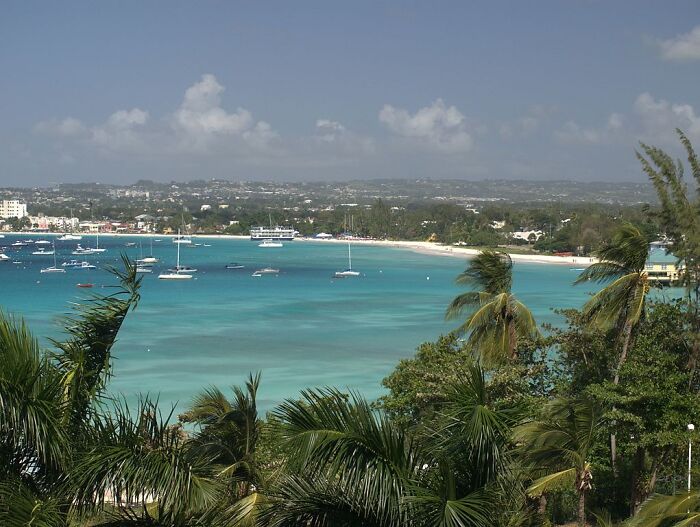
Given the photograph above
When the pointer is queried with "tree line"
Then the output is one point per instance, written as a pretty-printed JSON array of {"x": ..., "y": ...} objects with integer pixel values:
[{"x": 499, "y": 423}]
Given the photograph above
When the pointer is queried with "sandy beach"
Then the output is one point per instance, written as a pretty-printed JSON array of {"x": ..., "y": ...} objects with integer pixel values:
[{"x": 431, "y": 248}]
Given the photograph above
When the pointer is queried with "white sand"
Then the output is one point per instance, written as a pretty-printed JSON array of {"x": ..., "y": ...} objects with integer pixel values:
[{"x": 418, "y": 247}]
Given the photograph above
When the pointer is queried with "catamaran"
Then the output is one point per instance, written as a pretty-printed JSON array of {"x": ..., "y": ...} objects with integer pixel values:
[
  {"x": 178, "y": 273},
  {"x": 347, "y": 272},
  {"x": 148, "y": 260},
  {"x": 54, "y": 268}
]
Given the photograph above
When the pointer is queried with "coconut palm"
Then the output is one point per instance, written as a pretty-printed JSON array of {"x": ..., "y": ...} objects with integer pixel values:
[
  {"x": 48, "y": 401},
  {"x": 621, "y": 304},
  {"x": 496, "y": 318},
  {"x": 350, "y": 465},
  {"x": 679, "y": 510},
  {"x": 559, "y": 445},
  {"x": 228, "y": 432}
]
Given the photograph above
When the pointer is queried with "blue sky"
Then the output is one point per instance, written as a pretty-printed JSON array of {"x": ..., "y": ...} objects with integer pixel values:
[{"x": 119, "y": 91}]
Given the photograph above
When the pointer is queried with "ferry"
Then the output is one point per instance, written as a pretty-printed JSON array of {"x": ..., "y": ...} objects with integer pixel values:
[{"x": 272, "y": 233}]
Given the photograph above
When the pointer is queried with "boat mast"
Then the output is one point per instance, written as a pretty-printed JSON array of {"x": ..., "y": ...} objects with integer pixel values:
[
  {"x": 177, "y": 264},
  {"x": 349, "y": 258}
]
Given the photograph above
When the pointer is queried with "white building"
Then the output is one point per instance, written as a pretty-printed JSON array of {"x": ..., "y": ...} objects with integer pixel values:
[
  {"x": 525, "y": 235},
  {"x": 12, "y": 208}
]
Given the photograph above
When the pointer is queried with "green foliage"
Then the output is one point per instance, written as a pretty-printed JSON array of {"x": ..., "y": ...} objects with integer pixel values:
[{"x": 496, "y": 320}]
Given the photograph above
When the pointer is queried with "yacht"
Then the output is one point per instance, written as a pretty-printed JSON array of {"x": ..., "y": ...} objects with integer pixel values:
[
  {"x": 143, "y": 269},
  {"x": 269, "y": 243},
  {"x": 43, "y": 252},
  {"x": 266, "y": 270},
  {"x": 347, "y": 272},
  {"x": 97, "y": 249},
  {"x": 4, "y": 258},
  {"x": 42, "y": 242},
  {"x": 75, "y": 264},
  {"x": 148, "y": 260},
  {"x": 177, "y": 273},
  {"x": 234, "y": 265},
  {"x": 182, "y": 238},
  {"x": 54, "y": 268},
  {"x": 69, "y": 237},
  {"x": 83, "y": 250},
  {"x": 130, "y": 244},
  {"x": 19, "y": 244}
]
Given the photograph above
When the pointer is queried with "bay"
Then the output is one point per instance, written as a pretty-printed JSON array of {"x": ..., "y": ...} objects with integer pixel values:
[{"x": 301, "y": 328}]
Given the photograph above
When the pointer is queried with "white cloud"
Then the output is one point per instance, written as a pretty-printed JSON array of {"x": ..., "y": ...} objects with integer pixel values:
[
  {"x": 68, "y": 127},
  {"x": 437, "y": 126},
  {"x": 659, "y": 118},
  {"x": 127, "y": 118},
  {"x": 573, "y": 133},
  {"x": 682, "y": 47},
  {"x": 200, "y": 117},
  {"x": 123, "y": 131},
  {"x": 328, "y": 130}
]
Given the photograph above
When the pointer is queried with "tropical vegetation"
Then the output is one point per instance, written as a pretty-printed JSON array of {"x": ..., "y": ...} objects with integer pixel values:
[{"x": 496, "y": 424}]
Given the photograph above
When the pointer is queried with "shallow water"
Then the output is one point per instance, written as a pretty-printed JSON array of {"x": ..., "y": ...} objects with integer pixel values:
[{"x": 301, "y": 328}]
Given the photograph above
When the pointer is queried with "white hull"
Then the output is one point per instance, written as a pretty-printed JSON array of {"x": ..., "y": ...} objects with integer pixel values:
[
  {"x": 345, "y": 274},
  {"x": 174, "y": 276},
  {"x": 53, "y": 270},
  {"x": 268, "y": 244}
]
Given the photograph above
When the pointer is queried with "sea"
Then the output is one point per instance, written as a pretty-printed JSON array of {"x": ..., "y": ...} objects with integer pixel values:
[{"x": 300, "y": 329}]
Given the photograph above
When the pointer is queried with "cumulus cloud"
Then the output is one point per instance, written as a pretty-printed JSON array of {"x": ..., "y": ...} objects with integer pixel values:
[
  {"x": 68, "y": 127},
  {"x": 437, "y": 126},
  {"x": 660, "y": 118},
  {"x": 572, "y": 132},
  {"x": 328, "y": 130},
  {"x": 122, "y": 131},
  {"x": 682, "y": 47}
]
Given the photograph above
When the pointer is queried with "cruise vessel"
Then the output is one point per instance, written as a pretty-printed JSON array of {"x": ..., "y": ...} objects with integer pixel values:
[{"x": 272, "y": 233}]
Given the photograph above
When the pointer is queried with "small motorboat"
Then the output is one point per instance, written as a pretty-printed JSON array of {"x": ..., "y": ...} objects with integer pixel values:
[
  {"x": 266, "y": 270},
  {"x": 87, "y": 285}
]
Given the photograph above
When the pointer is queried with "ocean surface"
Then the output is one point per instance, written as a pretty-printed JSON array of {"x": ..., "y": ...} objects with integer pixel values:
[{"x": 301, "y": 328}]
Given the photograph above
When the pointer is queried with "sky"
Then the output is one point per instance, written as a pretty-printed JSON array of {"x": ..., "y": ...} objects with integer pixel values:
[{"x": 117, "y": 91}]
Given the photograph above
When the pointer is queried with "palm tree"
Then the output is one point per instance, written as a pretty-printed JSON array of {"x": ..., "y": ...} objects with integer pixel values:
[
  {"x": 496, "y": 318},
  {"x": 678, "y": 510},
  {"x": 559, "y": 444},
  {"x": 620, "y": 304},
  {"x": 49, "y": 401},
  {"x": 228, "y": 432},
  {"x": 350, "y": 465}
]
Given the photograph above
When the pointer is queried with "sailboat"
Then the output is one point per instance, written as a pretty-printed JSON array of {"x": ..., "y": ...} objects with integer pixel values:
[
  {"x": 148, "y": 260},
  {"x": 97, "y": 244},
  {"x": 68, "y": 236},
  {"x": 186, "y": 239},
  {"x": 178, "y": 273},
  {"x": 347, "y": 272},
  {"x": 54, "y": 268}
]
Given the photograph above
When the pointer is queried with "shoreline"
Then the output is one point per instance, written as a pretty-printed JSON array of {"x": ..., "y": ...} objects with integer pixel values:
[{"x": 427, "y": 248}]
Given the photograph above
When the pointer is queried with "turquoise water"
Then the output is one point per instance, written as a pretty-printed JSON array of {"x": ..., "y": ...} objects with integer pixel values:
[{"x": 301, "y": 328}]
